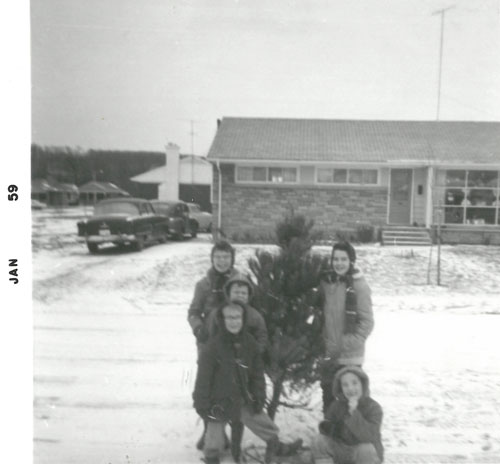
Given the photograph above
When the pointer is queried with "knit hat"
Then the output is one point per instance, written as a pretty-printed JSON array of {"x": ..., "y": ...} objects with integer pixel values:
[
  {"x": 220, "y": 317},
  {"x": 223, "y": 245},
  {"x": 240, "y": 279}
]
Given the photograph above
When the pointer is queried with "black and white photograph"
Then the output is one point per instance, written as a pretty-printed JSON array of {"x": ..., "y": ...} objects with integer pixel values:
[{"x": 257, "y": 232}]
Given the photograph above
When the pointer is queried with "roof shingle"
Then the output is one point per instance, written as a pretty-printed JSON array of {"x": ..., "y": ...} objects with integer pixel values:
[{"x": 273, "y": 139}]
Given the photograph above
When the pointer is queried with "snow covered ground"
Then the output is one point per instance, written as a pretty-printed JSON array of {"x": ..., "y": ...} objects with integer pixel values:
[{"x": 115, "y": 360}]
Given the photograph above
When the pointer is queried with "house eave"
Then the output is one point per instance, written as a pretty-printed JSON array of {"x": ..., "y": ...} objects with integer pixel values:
[{"x": 386, "y": 163}]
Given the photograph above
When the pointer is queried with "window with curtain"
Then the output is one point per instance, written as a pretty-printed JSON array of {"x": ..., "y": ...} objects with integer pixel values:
[
  {"x": 468, "y": 196},
  {"x": 263, "y": 174},
  {"x": 326, "y": 175}
]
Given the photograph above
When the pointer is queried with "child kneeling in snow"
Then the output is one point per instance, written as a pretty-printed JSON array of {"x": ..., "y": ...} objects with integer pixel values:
[
  {"x": 350, "y": 433},
  {"x": 230, "y": 387}
]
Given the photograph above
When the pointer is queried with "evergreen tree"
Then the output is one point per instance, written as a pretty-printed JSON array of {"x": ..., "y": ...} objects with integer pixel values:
[{"x": 286, "y": 294}]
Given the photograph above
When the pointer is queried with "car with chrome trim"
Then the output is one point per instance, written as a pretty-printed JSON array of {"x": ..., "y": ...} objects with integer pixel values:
[
  {"x": 180, "y": 222},
  {"x": 123, "y": 221},
  {"x": 202, "y": 218}
]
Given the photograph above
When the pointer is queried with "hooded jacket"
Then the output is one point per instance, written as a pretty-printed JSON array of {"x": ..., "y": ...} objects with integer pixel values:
[
  {"x": 363, "y": 425},
  {"x": 255, "y": 323},
  {"x": 208, "y": 296},
  {"x": 230, "y": 374},
  {"x": 346, "y": 348}
]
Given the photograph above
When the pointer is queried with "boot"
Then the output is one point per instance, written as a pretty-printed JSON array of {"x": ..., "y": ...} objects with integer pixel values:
[
  {"x": 289, "y": 449},
  {"x": 276, "y": 448},
  {"x": 236, "y": 437},
  {"x": 200, "y": 444},
  {"x": 211, "y": 460}
]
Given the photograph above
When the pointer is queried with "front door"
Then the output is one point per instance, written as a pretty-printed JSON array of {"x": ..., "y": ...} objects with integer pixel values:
[{"x": 400, "y": 197}]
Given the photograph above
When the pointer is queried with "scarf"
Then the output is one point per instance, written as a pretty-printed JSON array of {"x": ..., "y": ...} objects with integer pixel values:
[
  {"x": 218, "y": 282},
  {"x": 351, "y": 305}
]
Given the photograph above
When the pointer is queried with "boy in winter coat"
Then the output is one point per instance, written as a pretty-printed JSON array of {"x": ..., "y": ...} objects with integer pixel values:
[
  {"x": 230, "y": 387},
  {"x": 350, "y": 433},
  {"x": 347, "y": 316},
  {"x": 208, "y": 297},
  {"x": 239, "y": 288},
  {"x": 209, "y": 291}
]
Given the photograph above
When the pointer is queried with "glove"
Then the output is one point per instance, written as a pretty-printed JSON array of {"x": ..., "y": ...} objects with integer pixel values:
[
  {"x": 201, "y": 333},
  {"x": 325, "y": 427},
  {"x": 203, "y": 413},
  {"x": 258, "y": 406}
]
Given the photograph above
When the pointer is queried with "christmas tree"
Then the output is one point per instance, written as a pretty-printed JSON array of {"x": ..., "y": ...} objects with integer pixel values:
[{"x": 286, "y": 294}]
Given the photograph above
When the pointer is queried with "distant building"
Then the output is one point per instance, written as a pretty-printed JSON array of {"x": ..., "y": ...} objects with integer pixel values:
[
  {"x": 54, "y": 193},
  {"x": 94, "y": 191},
  {"x": 344, "y": 173},
  {"x": 184, "y": 177}
]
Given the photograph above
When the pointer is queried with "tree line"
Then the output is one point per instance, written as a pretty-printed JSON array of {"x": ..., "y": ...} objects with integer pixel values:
[{"x": 78, "y": 166}]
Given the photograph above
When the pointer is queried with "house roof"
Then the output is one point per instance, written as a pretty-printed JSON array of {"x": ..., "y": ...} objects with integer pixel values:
[
  {"x": 43, "y": 185},
  {"x": 101, "y": 187},
  {"x": 323, "y": 140},
  {"x": 158, "y": 175}
]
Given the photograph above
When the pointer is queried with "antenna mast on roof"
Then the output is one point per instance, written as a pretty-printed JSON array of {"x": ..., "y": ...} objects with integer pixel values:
[{"x": 441, "y": 12}]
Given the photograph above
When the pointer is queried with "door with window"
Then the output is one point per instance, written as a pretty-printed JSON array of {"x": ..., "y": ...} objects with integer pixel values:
[{"x": 400, "y": 196}]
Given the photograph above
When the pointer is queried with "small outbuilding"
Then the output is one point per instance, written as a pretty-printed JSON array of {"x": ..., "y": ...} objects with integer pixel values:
[
  {"x": 184, "y": 177},
  {"x": 54, "y": 193},
  {"x": 94, "y": 191}
]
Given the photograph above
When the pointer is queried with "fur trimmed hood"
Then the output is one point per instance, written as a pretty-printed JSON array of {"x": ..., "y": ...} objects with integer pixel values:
[
  {"x": 242, "y": 280},
  {"x": 360, "y": 373}
]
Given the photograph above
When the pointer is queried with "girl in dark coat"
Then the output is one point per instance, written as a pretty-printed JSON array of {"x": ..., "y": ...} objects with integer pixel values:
[{"x": 350, "y": 433}]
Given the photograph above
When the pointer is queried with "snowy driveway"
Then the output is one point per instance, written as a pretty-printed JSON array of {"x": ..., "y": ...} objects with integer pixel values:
[{"x": 115, "y": 360}]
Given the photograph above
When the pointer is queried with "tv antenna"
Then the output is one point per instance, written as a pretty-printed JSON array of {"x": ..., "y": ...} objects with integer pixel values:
[{"x": 441, "y": 12}]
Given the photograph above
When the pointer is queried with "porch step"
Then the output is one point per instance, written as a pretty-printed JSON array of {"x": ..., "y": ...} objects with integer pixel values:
[{"x": 405, "y": 236}]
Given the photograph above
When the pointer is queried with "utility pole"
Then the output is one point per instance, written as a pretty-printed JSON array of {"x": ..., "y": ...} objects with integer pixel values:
[{"x": 441, "y": 12}]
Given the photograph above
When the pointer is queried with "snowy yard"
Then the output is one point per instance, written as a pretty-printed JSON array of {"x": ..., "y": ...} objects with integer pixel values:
[{"x": 115, "y": 360}]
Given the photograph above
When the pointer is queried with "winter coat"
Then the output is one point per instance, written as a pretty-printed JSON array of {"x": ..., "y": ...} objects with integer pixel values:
[
  {"x": 230, "y": 375},
  {"x": 255, "y": 323},
  {"x": 363, "y": 425},
  {"x": 346, "y": 348},
  {"x": 208, "y": 296}
]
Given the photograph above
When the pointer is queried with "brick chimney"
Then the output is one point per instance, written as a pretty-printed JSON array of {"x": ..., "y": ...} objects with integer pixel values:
[{"x": 169, "y": 190}]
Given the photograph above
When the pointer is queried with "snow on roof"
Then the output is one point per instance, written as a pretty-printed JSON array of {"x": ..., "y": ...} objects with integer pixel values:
[{"x": 356, "y": 140}]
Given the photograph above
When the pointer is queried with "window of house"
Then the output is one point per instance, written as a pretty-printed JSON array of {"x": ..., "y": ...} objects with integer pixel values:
[
  {"x": 347, "y": 176},
  {"x": 469, "y": 196},
  {"x": 266, "y": 174}
]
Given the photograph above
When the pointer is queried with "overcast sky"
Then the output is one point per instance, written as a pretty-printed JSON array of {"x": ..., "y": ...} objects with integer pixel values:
[{"x": 131, "y": 74}]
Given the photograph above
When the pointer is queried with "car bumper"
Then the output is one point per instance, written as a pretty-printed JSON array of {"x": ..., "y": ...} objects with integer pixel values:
[{"x": 115, "y": 238}]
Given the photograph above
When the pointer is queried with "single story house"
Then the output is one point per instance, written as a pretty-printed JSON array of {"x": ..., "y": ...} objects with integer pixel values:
[
  {"x": 95, "y": 191},
  {"x": 184, "y": 177},
  {"x": 54, "y": 193},
  {"x": 343, "y": 173}
]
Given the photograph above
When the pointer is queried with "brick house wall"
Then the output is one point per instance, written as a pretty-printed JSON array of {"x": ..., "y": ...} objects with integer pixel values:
[{"x": 255, "y": 209}]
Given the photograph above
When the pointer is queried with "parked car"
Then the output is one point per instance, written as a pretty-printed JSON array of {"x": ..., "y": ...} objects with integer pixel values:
[
  {"x": 180, "y": 222},
  {"x": 35, "y": 204},
  {"x": 203, "y": 218},
  {"x": 123, "y": 221}
]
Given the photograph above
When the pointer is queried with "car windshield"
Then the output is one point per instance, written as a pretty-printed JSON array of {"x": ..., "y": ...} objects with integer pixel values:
[{"x": 119, "y": 207}]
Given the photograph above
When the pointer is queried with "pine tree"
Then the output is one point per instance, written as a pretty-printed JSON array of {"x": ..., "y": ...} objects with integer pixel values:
[{"x": 286, "y": 294}]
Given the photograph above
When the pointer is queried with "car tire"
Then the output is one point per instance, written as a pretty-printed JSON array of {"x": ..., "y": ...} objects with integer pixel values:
[
  {"x": 194, "y": 230},
  {"x": 93, "y": 247},
  {"x": 138, "y": 245},
  {"x": 163, "y": 238}
]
